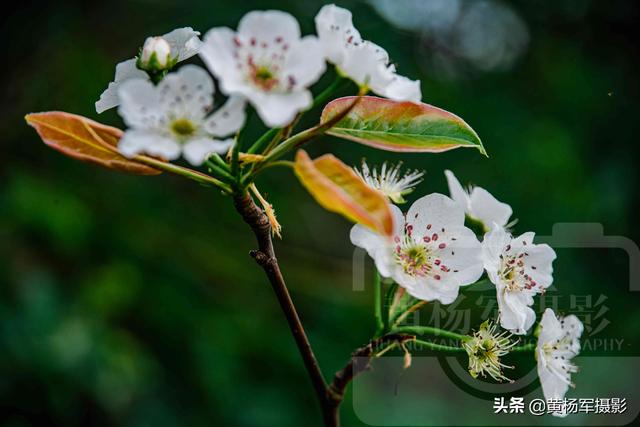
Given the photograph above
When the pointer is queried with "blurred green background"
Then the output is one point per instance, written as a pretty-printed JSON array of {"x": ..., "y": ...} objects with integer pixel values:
[{"x": 131, "y": 301}]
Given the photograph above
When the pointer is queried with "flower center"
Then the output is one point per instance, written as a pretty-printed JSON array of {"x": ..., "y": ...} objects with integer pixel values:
[
  {"x": 264, "y": 77},
  {"x": 421, "y": 257},
  {"x": 183, "y": 127},
  {"x": 262, "y": 63},
  {"x": 485, "y": 348},
  {"x": 263, "y": 74},
  {"x": 513, "y": 272},
  {"x": 414, "y": 258}
]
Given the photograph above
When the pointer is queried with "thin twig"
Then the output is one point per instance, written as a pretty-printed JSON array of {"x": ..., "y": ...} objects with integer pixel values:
[{"x": 266, "y": 258}]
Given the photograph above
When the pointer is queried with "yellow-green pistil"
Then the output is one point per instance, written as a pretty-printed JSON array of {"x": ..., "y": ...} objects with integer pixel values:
[
  {"x": 263, "y": 73},
  {"x": 183, "y": 127}
]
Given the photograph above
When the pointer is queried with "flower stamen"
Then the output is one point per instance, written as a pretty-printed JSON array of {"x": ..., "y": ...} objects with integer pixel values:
[{"x": 485, "y": 348}]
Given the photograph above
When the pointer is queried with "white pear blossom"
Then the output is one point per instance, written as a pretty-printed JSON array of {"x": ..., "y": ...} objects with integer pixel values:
[
  {"x": 268, "y": 62},
  {"x": 362, "y": 61},
  {"x": 389, "y": 181},
  {"x": 479, "y": 204},
  {"x": 431, "y": 253},
  {"x": 485, "y": 348},
  {"x": 171, "y": 118},
  {"x": 183, "y": 44},
  {"x": 558, "y": 343},
  {"x": 520, "y": 269}
]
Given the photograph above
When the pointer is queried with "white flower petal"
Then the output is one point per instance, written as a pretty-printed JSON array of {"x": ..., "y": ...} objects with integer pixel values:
[
  {"x": 305, "y": 63},
  {"x": 187, "y": 93},
  {"x": 142, "y": 141},
  {"x": 125, "y": 70},
  {"x": 184, "y": 42},
  {"x": 366, "y": 63},
  {"x": 279, "y": 109},
  {"x": 458, "y": 194},
  {"x": 550, "y": 328},
  {"x": 378, "y": 247},
  {"x": 227, "y": 119},
  {"x": 523, "y": 241},
  {"x": 269, "y": 24},
  {"x": 431, "y": 213},
  {"x": 461, "y": 257},
  {"x": 558, "y": 343},
  {"x": 575, "y": 327},
  {"x": 552, "y": 386},
  {"x": 403, "y": 89},
  {"x": 217, "y": 52},
  {"x": 196, "y": 151},
  {"x": 488, "y": 209},
  {"x": 539, "y": 264},
  {"x": 335, "y": 29},
  {"x": 369, "y": 240},
  {"x": 140, "y": 104},
  {"x": 480, "y": 204},
  {"x": 515, "y": 314},
  {"x": 428, "y": 289},
  {"x": 493, "y": 245},
  {"x": 365, "y": 238}
]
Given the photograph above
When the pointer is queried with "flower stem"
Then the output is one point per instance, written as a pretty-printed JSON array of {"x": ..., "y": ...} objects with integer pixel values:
[
  {"x": 388, "y": 301},
  {"x": 235, "y": 154},
  {"x": 523, "y": 348},
  {"x": 438, "y": 347},
  {"x": 185, "y": 172},
  {"x": 377, "y": 302},
  {"x": 220, "y": 172},
  {"x": 282, "y": 163},
  {"x": 428, "y": 330},
  {"x": 264, "y": 140}
]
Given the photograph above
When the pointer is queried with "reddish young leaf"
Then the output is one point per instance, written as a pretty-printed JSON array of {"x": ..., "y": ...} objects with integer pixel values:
[
  {"x": 85, "y": 140},
  {"x": 400, "y": 126},
  {"x": 337, "y": 188}
]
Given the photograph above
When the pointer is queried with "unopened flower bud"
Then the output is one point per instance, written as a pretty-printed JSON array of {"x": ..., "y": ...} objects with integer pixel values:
[{"x": 156, "y": 54}]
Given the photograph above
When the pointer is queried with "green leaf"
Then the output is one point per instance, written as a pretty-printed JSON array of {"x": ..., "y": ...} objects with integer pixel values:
[{"x": 400, "y": 126}]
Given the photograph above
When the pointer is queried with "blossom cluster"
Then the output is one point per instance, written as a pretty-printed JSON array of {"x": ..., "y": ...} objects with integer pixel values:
[
  {"x": 432, "y": 253},
  {"x": 266, "y": 63},
  {"x": 434, "y": 250}
]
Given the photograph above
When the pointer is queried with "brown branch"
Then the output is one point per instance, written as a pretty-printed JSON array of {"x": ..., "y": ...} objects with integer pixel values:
[
  {"x": 266, "y": 258},
  {"x": 329, "y": 396}
]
